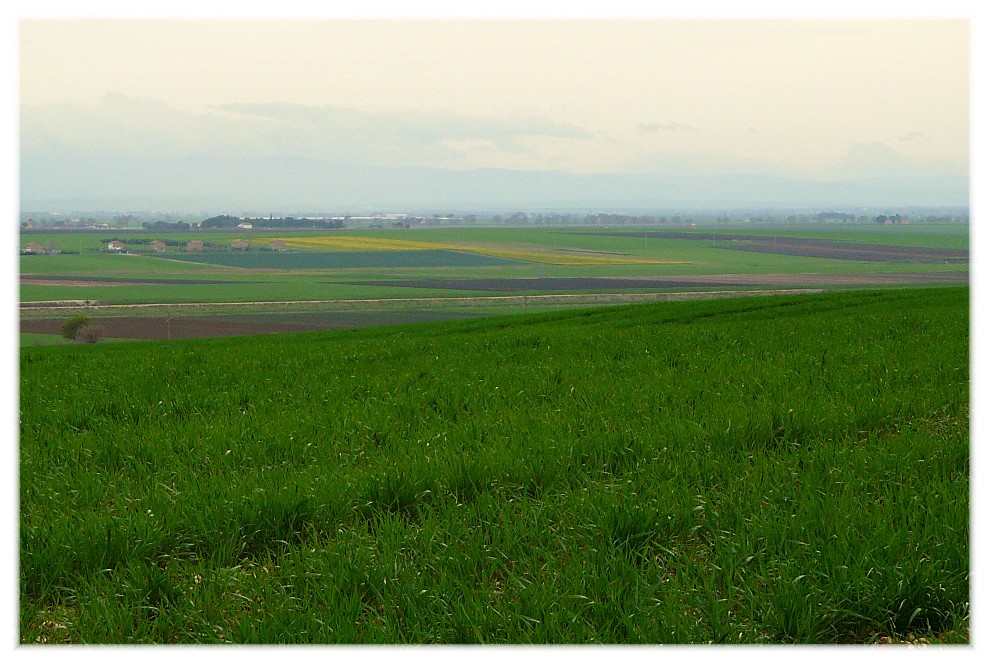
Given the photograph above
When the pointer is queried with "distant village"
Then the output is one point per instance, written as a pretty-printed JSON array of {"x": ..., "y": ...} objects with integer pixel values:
[
  {"x": 142, "y": 245},
  {"x": 182, "y": 222}
]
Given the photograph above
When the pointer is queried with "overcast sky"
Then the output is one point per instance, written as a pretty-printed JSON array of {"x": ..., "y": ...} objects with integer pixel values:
[{"x": 812, "y": 99}]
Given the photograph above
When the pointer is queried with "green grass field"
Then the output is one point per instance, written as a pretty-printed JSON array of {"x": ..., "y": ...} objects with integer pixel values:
[
  {"x": 41, "y": 339},
  {"x": 766, "y": 470}
]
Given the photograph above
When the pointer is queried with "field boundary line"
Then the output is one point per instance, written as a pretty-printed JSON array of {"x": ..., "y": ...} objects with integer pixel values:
[{"x": 521, "y": 299}]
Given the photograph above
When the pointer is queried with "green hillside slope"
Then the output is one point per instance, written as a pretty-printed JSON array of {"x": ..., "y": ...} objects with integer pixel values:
[{"x": 759, "y": 470}]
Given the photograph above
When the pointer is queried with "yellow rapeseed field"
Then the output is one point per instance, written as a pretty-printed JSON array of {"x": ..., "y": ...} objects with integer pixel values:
[
  {"x": 351, "y": 243},
  {"x": 526, "y": 254}
]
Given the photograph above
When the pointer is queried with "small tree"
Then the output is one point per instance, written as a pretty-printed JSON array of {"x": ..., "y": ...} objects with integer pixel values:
[{"x": 81, "y": 328}]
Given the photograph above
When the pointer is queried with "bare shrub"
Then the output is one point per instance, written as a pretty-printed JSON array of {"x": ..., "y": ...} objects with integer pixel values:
[
  {"x": 90, "y": 333},
  {"x": 82, "y": 328}
]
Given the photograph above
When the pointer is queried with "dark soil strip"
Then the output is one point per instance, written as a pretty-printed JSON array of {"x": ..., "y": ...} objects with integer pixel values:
[
  {"x": 210, "y": 326},
  {"x": 841, "y": 251}
]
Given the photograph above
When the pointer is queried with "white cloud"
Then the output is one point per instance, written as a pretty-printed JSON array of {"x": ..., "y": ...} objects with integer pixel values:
[
  {"x": 877, "y": 159},
  {"x": 677, "y": 127},
  {"x": 123, "y": 126},
  {"x": 675, "y": 162}
]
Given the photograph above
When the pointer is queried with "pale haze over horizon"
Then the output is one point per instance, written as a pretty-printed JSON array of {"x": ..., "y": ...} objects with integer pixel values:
[{"x": 115, "y": 108}]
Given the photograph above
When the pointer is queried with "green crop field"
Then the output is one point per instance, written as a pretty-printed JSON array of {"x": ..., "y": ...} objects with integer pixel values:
[
  {"x": 244, "y": 291},
  {"x": 763, "y": 470},
  {"x": 106, "y": 264},
  {"x": 946, "y": 236},
  {"x": 331, "y": 264},
  {"x": 344, "y": 260},
  {"x": 42, "y": 339}
]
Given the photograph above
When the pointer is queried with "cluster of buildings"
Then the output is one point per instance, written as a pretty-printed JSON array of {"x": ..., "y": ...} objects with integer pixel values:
[
  {"x": 195, "y": 246},
  {"x": 33, "y": 248}
]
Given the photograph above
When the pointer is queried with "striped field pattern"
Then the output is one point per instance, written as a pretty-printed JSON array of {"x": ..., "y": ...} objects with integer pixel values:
[{"x": 527, "y": 253}]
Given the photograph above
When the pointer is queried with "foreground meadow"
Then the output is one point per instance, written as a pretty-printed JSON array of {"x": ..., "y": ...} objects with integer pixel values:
[{"x": 762, "y": 470}]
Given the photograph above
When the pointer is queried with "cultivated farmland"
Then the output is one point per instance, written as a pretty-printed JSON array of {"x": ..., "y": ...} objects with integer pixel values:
[
  {"x": 478, "y": 270},
  {"x": 752, "y": 470},
  {"x": 346, "y": 259}
]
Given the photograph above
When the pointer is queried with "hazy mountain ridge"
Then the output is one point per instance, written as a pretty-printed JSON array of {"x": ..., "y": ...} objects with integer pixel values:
[{"x": 290, "y": 184}]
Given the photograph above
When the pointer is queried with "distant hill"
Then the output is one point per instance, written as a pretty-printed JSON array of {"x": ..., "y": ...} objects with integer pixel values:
[{"x": 290, "y": 184}]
